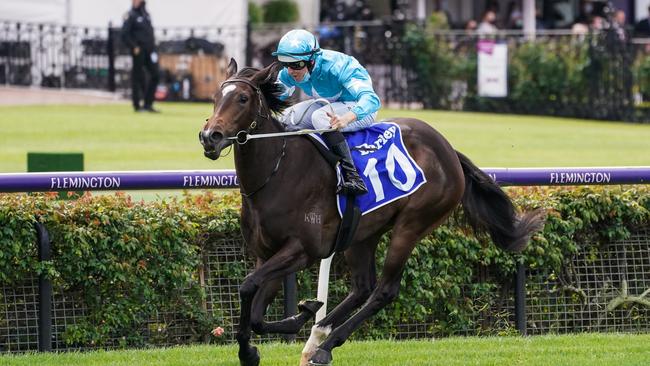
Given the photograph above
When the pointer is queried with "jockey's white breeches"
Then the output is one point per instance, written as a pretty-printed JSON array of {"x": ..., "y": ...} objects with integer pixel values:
[{"x": 310, "y": 114}]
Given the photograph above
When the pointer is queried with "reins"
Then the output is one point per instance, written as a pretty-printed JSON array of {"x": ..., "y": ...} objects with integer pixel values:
[{"x": 244, "y": 136}]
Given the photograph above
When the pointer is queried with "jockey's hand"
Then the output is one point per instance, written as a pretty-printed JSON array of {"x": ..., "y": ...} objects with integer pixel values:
[{"x": 339, "y": 122}]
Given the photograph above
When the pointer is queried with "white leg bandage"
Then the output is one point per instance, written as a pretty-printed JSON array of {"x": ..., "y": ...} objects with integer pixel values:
[{"x": 316, "y": 337}]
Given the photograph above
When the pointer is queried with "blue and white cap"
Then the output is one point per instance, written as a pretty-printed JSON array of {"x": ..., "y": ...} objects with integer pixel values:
[{"x": 297, "y": 45}]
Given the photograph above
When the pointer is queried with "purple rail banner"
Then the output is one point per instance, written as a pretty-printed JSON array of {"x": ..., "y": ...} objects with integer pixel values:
[{"x": 216, "y": 179}]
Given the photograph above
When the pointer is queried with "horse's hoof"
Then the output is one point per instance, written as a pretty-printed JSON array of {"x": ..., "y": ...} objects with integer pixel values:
[
  {"x": 321, "y": 358},
  {"x": 249, "y": 358},
  {"x": 311, "y": 306}
]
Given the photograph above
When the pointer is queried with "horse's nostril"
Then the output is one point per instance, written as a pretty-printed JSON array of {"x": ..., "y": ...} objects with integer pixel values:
[{"x": 215, "y": 136}]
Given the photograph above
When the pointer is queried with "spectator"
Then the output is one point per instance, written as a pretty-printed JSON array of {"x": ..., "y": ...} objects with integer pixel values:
[
  {"x": 540, "y": 19},
  {"x": 515, "y": 16},
  {"x": 620, "y": 25},
  {"x": 597, "y": 23},
  {"x": 487, "y": 23},
  {"x": 642, "y": 28},
  {"x": 467, "y": 42},
  {"x": 471, "y": 26},
  {"x": 579, "y": 28},
  {"x": 138, "y": 36},
  {"x": 620, "y": 18}
]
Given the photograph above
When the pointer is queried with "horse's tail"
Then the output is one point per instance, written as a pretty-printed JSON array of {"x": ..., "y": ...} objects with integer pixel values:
[{"x": 488, "y": 208}]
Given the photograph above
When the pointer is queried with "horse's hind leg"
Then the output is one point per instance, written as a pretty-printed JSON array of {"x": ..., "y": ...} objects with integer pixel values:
[
  {"x": 290, "y": 325},
  {"x": 403, "y": 241},
  {"x": 360, "y": 258},
  {"x": 289, "y": 259}
]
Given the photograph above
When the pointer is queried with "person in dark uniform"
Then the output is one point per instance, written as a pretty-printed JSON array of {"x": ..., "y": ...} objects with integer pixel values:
[{"x": 138, "y": 36}]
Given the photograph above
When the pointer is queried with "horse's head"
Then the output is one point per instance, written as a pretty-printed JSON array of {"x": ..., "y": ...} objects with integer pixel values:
[{"x": 244, "y": 101}]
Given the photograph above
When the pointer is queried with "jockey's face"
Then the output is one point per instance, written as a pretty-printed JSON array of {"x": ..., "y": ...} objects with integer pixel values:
[{"x": 299, "y": 74}]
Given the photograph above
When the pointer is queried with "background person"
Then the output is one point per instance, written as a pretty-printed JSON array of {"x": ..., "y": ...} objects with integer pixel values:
[
  {"x": 620, "y": 25},
  {"x": 487, "y": 25},
  {"x": 138, "y": 36}
]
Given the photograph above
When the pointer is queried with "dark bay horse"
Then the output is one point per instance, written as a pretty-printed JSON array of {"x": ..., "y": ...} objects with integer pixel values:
[{"x": 290, "y": 218}]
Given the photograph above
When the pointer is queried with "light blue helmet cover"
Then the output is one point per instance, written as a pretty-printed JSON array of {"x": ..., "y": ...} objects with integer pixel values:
[{"x": 296, "y": 45}]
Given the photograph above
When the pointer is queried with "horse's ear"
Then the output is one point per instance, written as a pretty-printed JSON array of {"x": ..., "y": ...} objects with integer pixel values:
[
  {"x": 267, "y": 74},
  {"x": 232, "y": 68}
]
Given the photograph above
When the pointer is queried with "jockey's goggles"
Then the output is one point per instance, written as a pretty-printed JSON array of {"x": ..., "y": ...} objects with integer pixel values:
[{"x": 295, "y": 65}]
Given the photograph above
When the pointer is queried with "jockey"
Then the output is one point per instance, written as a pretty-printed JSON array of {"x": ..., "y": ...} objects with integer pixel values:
[{"x": 334, "y": 76}]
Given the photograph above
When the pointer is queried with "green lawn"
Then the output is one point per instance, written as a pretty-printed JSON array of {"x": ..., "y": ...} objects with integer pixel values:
[
  {"x": 112, "y": 137},
  {"x": 583, "y": 349}
]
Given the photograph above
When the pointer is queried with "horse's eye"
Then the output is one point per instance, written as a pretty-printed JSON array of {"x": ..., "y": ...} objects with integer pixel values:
[{"x": 243, "y": 99}]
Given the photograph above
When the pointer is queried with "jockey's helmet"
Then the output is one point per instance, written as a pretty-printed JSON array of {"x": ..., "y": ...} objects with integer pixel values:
[{"x": 297, "y": 45}]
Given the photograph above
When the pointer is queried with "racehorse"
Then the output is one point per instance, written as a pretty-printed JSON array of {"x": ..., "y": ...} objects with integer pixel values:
[{"x": 289, "y": 216}]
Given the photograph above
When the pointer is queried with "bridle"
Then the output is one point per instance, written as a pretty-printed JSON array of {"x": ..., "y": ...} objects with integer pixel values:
[{"x": 243, "y": 136}]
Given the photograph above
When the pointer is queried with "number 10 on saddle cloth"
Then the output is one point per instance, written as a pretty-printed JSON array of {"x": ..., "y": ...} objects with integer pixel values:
[{"x": 384, "y": 164}]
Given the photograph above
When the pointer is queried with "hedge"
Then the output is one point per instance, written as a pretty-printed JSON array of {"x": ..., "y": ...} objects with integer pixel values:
[
  {"x": 131, "y": 259},
  {"x": 592, "y": 77}
]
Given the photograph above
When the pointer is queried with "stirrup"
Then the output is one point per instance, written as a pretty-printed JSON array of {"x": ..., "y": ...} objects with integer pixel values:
[{"x": 352, "y": 188}]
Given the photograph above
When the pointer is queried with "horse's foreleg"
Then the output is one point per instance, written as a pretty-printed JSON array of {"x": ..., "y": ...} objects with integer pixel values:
[
  {"x": 386, "y": 291},
  {"x": 360, "y": 258},
  {"x": 289, "y": 259},
  {"x": 290, "y": 325}
]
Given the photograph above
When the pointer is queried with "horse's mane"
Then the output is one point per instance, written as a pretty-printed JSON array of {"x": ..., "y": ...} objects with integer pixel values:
[{"x": 270, "y": 89}]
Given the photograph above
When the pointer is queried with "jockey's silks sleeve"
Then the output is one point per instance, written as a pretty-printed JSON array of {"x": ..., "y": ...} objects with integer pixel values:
[
  {"x": 358, "y": 83},
  {"x": 338, "y": 78}
]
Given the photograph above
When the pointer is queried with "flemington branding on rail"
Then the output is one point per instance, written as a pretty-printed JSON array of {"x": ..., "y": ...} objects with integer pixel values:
[
  {"x": 210, "y": 180},
  {"x": 85, "y": 182},
  {"x": 198, "y": 179},
  {"x": 580, "y": 177}
]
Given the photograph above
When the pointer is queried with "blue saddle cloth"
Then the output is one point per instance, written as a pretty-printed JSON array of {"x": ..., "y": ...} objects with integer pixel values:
[{"x": 385, "y": 165}]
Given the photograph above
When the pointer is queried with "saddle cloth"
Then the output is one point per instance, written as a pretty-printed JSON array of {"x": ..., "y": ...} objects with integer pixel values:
[{"x": 384, "y": 164}]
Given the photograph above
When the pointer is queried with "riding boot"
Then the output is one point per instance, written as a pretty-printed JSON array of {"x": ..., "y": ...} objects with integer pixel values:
[{"x": 352, "y": 182}]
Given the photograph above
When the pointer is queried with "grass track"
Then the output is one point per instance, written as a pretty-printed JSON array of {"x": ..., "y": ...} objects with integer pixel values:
[
  {"x": 112, "y": 137},
  {"x": 583, "y": 349}
]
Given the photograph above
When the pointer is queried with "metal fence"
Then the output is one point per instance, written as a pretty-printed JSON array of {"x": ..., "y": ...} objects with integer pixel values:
[
  {"x": 56, "y": 56},
  {"x": 602, "y": 75},
  {"x": 593, "y": 293},
  {"x": 53, "y": 56},
  {"x": 598, "y": 75}
]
